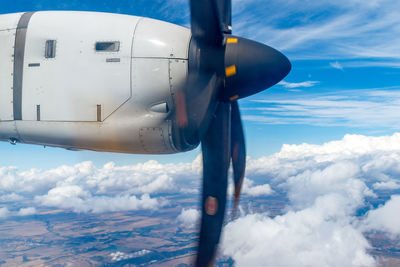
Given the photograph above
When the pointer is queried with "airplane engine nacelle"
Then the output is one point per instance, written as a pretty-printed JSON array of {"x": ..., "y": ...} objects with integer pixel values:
[{"x": 95, "y": 81}]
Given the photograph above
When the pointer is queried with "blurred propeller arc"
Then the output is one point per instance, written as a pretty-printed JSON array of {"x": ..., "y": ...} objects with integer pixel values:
[{"x": 222, "y": 69}]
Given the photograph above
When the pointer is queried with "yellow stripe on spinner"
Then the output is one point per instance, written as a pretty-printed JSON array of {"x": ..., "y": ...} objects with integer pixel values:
[
  {"x": 230, "y": 71},
  {"x": 234, "y": 97},
  {"x": 232, "y": 40}
]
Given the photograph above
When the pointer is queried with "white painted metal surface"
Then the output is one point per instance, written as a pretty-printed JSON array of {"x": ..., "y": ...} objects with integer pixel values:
[
  {"x": 9, "y": 21},
  {"x": 70, "y": 86},
  {"x": 178, "y": 70},
  {"x": 135, "y": 92},
  {"x": 150, "y": 86},
  {"x": 158, "y": 39},
  {"x": 8, "y": 25},
  {"x": 7, "y": 38},
  {"x": 150, "y": 81}
]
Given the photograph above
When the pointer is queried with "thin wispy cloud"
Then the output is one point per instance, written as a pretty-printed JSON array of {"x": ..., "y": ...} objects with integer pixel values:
[
  {"x": 323, "y": 29},
  {"x": 385, "y": 63},
  {"x": 336, "y": 65},
  {"x": 354, "y": 108},
  {"x": 298, "y": 85}
]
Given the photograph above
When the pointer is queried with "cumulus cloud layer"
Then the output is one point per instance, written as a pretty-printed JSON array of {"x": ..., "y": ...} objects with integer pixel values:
[
  {"x": 304, "y": 238},
  {"x": 326, "y": 185},
  {"x": 73, "y": 197},
  {"x": 149, "y": 177},
  {"x": 86, "y": 188}
]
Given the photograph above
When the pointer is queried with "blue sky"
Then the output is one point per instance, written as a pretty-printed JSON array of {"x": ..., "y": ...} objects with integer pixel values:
[{"x": 345, "y": 76}]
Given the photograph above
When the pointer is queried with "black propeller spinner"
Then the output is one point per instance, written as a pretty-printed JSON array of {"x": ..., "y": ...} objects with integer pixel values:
[{"x": 222, "y": 69}]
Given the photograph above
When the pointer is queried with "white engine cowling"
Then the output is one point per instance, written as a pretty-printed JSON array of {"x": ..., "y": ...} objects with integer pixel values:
[{"x": 95, "y": 81}]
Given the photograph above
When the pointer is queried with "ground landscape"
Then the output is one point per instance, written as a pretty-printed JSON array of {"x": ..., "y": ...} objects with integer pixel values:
[{"x": 137, "y": 238}]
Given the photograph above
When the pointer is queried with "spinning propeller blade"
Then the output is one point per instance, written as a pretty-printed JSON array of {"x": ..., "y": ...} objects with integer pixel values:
[
  {"x": 216, "y": 158},
  {"x": 222, "y": 69},
  {"x": 238, "y": 152},
  {"x": 205, "y": 22}
]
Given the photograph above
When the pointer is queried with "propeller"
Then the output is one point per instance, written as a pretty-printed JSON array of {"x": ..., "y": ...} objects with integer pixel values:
[{"x": 222, "y": 69}]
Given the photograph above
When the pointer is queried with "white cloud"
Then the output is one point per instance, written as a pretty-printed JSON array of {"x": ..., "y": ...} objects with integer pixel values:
[
  {"x": 298, "y": 85},
  {"x": 325, "y": 185},
  {"x": 336, "y": 179},
  {"x": 249, "y": 188},
  {"x": 27, "y": 211},
  {"x": 119, "y": 256},
  {"x": 11, "y": 197},
  {"x": 391, "y": 185},
  {"x": 64, "y": 197},
  {"x": 73, "y": 197},
  {"x": 336, "y": 65},
  {"x": 304, "y": 238},
  {"x": 363, "y": 156},
  {"x": 86, "y": 188},
  {"x": 386, "y": 218},
  {"x": 149, "y": 177},
  {"x": 350, "y": 147},
  {"x": 4, "y": 212},
  {"x": 188, "y": 218},
  {"x": 123, "y": 203}
]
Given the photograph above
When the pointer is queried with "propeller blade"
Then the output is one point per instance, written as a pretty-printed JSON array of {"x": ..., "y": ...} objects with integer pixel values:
[
  {"x": 216, "y": 159},
  {"x": 225, "y": 13},
  {"x": 238, "y": 152},
  {"x": 196, "y": 105},
  {"x": 200, "y": 97},
  {"x": 205, "y": 22}
]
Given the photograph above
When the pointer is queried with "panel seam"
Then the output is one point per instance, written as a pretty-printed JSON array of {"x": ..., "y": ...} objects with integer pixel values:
[{"x": 19, "y": 54}]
